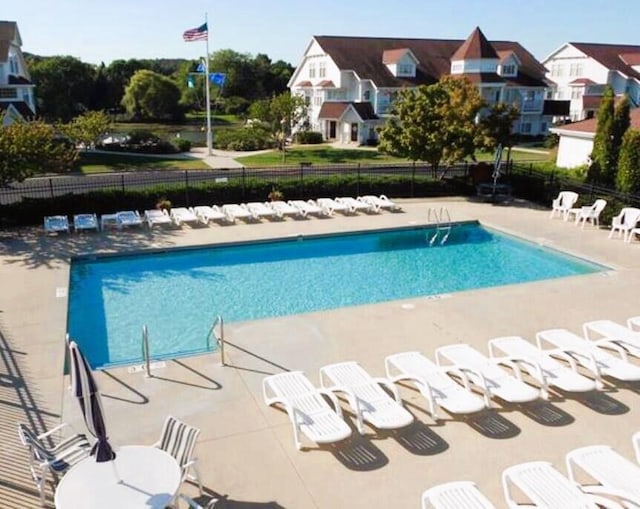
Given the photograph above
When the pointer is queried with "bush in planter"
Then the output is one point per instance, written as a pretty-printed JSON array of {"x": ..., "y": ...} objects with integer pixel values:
[
  {"x": 308, "y": 137},
  {"x": 182, "y": 145}
]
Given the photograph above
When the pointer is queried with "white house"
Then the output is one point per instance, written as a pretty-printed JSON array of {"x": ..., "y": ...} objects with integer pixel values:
[
  {"x": 350, "y": 83},
  {"x": 580, "y": 71},
  {"x": 16, "y": 90},
  {"x": 576, "y": 140}
]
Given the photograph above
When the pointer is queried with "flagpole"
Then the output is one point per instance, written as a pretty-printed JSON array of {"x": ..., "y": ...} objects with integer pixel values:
[{"x": 207, "y": 93}]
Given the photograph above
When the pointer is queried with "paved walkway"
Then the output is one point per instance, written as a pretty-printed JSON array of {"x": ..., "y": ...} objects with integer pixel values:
[{"x": 246, "y": 451}]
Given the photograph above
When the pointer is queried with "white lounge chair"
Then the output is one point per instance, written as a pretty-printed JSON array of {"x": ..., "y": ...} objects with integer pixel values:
[
  {"x": 127, "y": 218},
  {"x": 487, "y": 374},
  {"x": 613, "y": 471},
  {"x": 206, "y": 214},
  {"x": 635, "y": 439},
  {"x": 56, "y": 224},
  {"x": 634, "y": 323},
  {"x": 563, "y": 204},
  {"x": 615, "y": 332},
  {"x": 367, "y": 399},
  {"x": 260, "y": 210},
  {"x": 434, "y": 383},
  {"x": 308, "y": 411},
  {"x": 540, "y": 364},
  {"x": 356, "y": 205},
  {"x": 547, "y": 488},
  {"x": 625, "y": 222},
  {"x": 329, "y": 205},
  {"x": 590, "y": 355},
  {"x": 180, "y": 215},
  {"x": 380, "y": 202},
  {"x": 234, "y": 211},
  {"x": 588, "y": 213},
  {"x": 283, "y": 209},
  {"x": 455, "y": 495},
  {"x": 155, "y": 216},
  {"x": 308, "y": 208},
  {"x": 85, "y": 222}
]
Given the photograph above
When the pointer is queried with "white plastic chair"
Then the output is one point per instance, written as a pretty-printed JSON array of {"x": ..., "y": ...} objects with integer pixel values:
[
  {"x": 625, "y": 222},
  {"x": 591, "y": 356},
  {"x": 329, "y": 205},
  {"x": 56, "y": 459},
  {"x": 179, "y": 440},
  {"x": 455, "y": 495},
  {"x": 306, "y": 407},
  {"x": 434, "y": 383},
  {"x": 380, "y": 202},
  {"x": 234, "y": 211},
  {"x": 589, "y": 213},
  {"x": 156, "y": 217},
  {"x": 260, "y": 210},
  {"x": 541, "y": 365},
  {"x": 85, "y": 222},
  {"x": 308, "y": 208},
  {"x": 181, "y": 215},
  {"x": 563, "y": 204},
  {"x": 356, "y": 205},
  {"x": 366, "y": 396},
  {"x": 126, "y": 218},
  {"x": 206, "y": 214},
  {"x": 614, "y": 332},
  {"x": 487, "y": 373},
  {"x": 56, "y": 224},
  {"x": 283, "y": 209},
  {"x": 614, "y": 472},
  {"x": 547, "y": 488}
]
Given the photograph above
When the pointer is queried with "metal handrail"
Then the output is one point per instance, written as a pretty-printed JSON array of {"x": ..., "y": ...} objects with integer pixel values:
[
  {"x": 437, "y": 221},
  {"x": 146, "y": 354},
  {"x": 443, "y": 211},
  {"x": 219, "y": 338}
]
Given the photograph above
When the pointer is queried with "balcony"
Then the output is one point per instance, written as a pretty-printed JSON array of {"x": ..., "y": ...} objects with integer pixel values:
[{"x": 531, "y": 105}]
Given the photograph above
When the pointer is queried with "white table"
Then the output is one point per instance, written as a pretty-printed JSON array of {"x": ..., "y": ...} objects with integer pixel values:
[{"x": 146, "y": 478}]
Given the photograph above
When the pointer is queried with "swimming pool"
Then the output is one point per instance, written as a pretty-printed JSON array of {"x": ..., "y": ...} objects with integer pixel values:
[{"x": 178, "y": 293}]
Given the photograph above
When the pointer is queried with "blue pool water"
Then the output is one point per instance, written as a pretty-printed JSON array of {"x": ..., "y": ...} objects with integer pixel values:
[{"x": 177, "y": 294}]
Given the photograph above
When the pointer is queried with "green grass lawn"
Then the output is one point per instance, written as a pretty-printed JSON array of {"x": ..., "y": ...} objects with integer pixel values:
[
  {"x": 91, "y": 162},
  {"x": 316, "y": 154},
  {"x": 322, "y": 154}
]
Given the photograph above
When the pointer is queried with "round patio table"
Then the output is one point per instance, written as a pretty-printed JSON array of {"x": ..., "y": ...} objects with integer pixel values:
[{"x": 139, "y": 477}]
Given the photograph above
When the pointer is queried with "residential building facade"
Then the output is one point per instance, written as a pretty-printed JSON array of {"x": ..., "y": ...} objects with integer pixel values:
[
  {"x": 579, "y": 72},
  {"x": 350, "y": 83},
  {"x": 576, "y": 140},
  {"x": 17, "y": 100}
]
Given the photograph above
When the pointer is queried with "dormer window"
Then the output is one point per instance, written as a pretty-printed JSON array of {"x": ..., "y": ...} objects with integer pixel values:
[
  {"x": 312, "y": 69},
  {"x": 401, "y": 62},
  {"x": 406, "y": 69},
  {"x": 509, "y": 70}
]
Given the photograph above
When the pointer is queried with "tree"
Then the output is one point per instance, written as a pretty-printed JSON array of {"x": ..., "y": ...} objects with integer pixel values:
[
  {"x": 152, "y": 96},
  {"x": 281, "y": 114},
  {"x": 621, "y": 122},
  {"x": 496, "y": 127},
  {"x": 628, "y": 178},
  {"x": 602, "y": 169},
  {"x": 30, "y": 148},
  {"x": 434, "y": 123},
  {"x": 88, "y": 128},
  {"x": 64, "y": 86}
]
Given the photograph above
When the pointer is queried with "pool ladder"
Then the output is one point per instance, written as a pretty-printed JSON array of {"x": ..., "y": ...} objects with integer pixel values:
[
  {"x": 218, "y": 337},
  {"x": 146, "y": 354},
  {"x": 443, "y": 229}
]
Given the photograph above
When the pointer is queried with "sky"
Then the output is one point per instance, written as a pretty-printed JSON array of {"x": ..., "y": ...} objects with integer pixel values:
[{"x": 105, "y": 30}]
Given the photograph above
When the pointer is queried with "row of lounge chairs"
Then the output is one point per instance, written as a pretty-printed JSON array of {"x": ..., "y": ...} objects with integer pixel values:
[
  {"x": 625, "y": 223},
  {"x": 462, "y": 381},
  {"x": 545, "y": 486},
  {"x": 228, "y": 213}
]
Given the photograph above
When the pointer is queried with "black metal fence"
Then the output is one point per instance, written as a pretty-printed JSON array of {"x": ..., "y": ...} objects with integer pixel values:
[{"x": 50, "y": 187}]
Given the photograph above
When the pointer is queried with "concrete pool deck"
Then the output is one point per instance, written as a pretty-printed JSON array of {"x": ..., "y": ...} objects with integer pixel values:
[{"x": 246, "y": 452}]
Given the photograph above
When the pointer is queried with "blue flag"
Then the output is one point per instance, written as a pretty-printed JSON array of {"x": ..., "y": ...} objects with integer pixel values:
[
  {"x": 200, "y": 67},
  {"x": 217, "y": 78},
  {"x": 191, "y": 83}
]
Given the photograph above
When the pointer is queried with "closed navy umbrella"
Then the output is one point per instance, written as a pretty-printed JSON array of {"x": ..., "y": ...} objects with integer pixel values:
[{"x": 84, "y": 388}]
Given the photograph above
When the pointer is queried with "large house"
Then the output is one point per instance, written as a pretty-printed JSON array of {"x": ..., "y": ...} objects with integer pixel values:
[
  {"x": 350, "y": 83},
  {"x": 17, "y": 99},
  {"x": 580, "y": 71},
  {"x": 576, "y": 140}
]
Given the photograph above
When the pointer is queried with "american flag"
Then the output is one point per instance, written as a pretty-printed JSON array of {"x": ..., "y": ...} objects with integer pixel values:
[{"x": 196, "y": 34}]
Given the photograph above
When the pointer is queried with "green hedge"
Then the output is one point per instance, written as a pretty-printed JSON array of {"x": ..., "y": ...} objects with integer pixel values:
[{"x": 31, "y": 211}]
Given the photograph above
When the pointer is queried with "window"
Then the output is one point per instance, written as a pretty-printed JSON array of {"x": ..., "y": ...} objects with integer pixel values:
[
  {"x": 13, "y": 65},
  {"x": 456, "y": 68},
  {"x": 543, "y": 127},
  {"x": 317, "y": 100},
  {"x": 509, "y": 69},
  {"x": 576, "y": 93},
  {"x": 405, "y": 70},
  {"x": 526, "y": 128},
  {"x": 557, "y": 70},
  {"x": 366, "y": 96},
  {"x": 322, "y": 69},
  {"x": 576, "y": 69},
  {"x": 8, "y": 93},
  {"x": 312, "y": 69}
]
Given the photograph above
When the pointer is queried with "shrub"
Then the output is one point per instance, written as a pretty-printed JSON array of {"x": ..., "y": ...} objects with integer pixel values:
[
  {"x": 235, "y": 105},
  {"x": 182, "y": 145},
  {"x": 309, "y": 137},
  {"x": 243, "y": 138}
]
